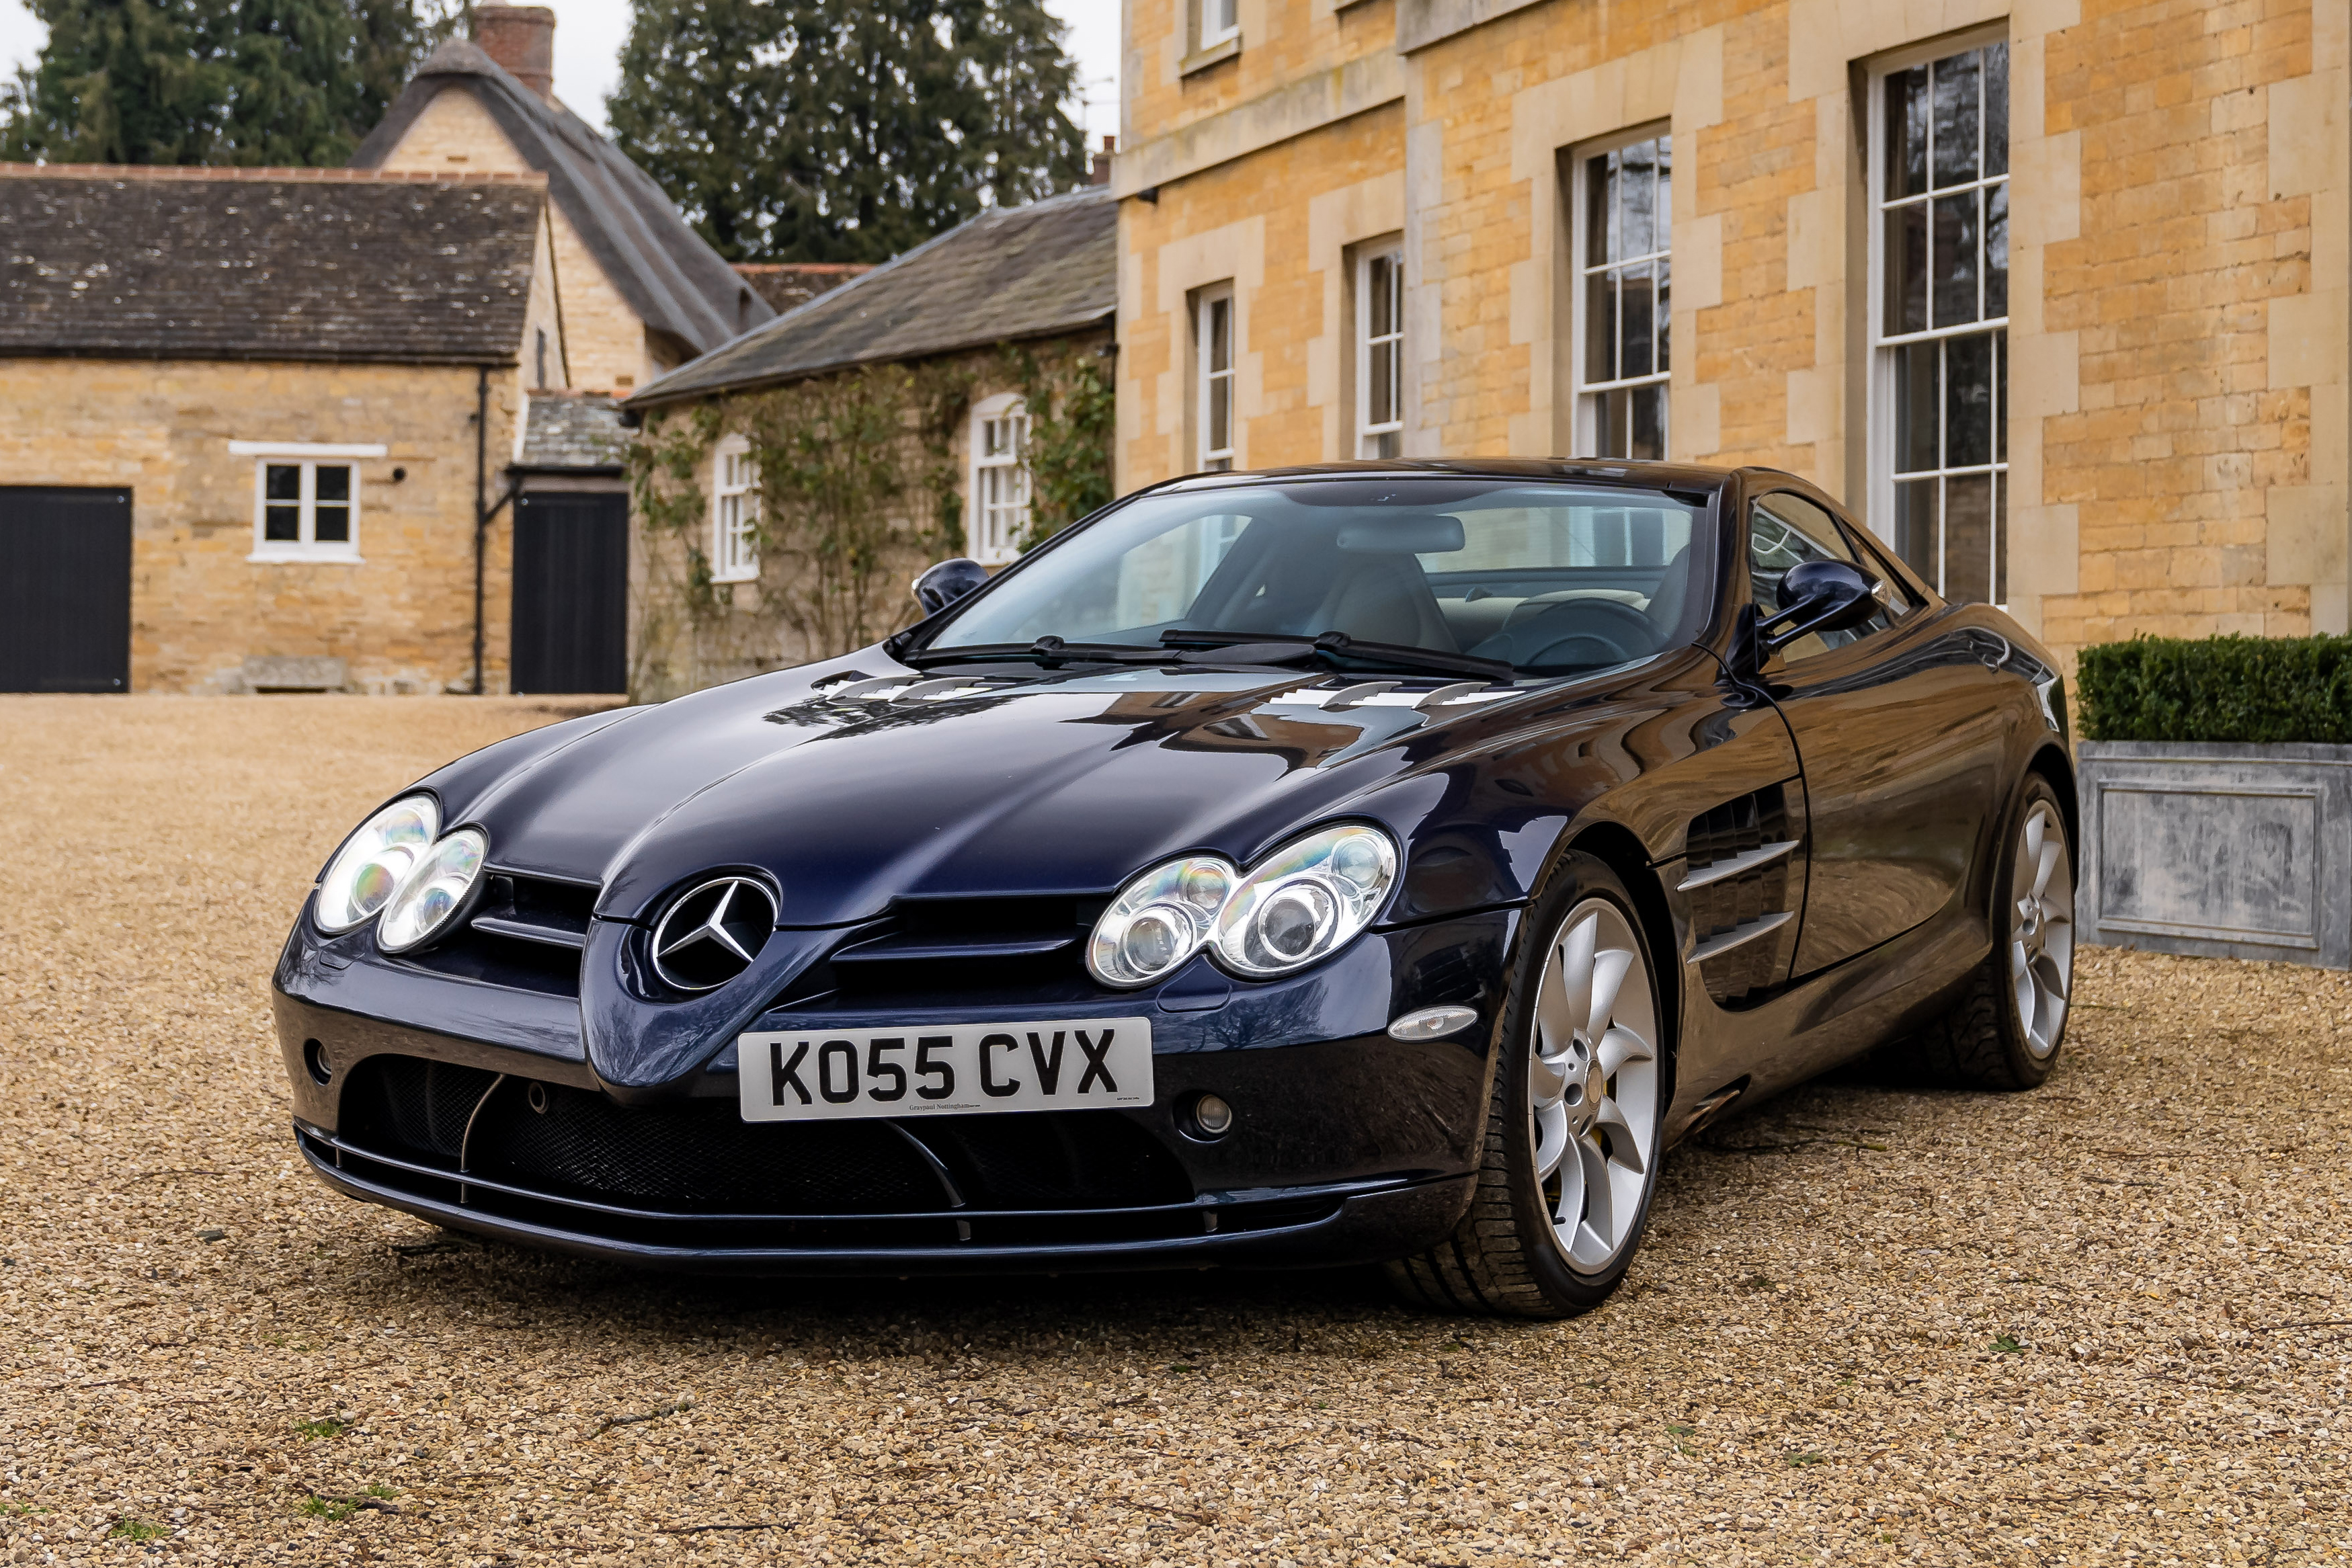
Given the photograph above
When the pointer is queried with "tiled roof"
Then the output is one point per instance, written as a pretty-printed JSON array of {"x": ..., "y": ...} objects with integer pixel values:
[
  {"x": 573, "y": 430},
  {"x": 673, "y": 281},
  {"x": 1009, "y": 273},
  {"x": 263, "y": 264},
  {"x": 788, "y": 285}
]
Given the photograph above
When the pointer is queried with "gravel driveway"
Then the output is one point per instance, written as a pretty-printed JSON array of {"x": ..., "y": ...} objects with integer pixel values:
[{"x": 2108, "y": 1323}]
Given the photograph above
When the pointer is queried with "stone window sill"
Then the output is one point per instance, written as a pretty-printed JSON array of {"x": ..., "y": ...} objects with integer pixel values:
[
  {"x": 305, "y": 558},
  {"x": 1216, "y": 54}
]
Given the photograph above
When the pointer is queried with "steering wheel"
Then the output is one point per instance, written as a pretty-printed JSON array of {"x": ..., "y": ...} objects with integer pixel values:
[{"x": 1566, "y": 633}]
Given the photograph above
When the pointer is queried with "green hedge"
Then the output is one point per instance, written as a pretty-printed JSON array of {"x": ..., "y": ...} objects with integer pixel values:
[{"x": 2258, "y": 690}]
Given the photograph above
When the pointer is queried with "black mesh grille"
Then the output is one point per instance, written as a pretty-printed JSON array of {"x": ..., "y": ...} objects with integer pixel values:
[
  {"x": 962, "y": 946},
  {"x": 1073, "y": 1159},
  {"x": 699, "y": 1155},
  {"x": 403, "y": 1104}
]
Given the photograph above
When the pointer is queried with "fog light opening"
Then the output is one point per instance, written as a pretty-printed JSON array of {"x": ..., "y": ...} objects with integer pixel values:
[
  {"x": 1209, "y": 1118},
  {"x": 536, "y": 1098},
  {"x": 314, "y": 1059}
]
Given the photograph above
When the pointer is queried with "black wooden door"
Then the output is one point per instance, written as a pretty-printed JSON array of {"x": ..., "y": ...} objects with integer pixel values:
[
  {"x": 65, "y": 590},
  {"x": 572, "y": 592}
]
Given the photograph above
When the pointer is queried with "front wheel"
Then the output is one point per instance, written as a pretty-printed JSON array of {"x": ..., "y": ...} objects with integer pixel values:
[
  {"x": 2007, "y": 1027},
  {"x": 1572, "y": 1146}
]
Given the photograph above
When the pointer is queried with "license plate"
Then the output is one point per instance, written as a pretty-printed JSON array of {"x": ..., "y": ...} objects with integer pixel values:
[{"x": 1066, "y": 1064}]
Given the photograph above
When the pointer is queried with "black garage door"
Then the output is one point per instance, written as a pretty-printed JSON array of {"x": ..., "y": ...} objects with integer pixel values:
[
  {"x": 65, "y": 590},
  {"x": 572, "y": 592}
]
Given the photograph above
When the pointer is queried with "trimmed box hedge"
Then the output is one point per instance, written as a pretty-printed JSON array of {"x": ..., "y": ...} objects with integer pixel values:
[{"x": 2249, "y": 690}]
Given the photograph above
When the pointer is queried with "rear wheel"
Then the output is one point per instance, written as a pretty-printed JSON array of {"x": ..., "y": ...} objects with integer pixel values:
[
  {"x": 2006, "y": 1029},
  {"x": 1571, "y": 1152}
]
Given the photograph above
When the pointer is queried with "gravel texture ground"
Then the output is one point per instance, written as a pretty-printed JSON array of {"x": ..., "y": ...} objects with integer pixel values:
[{"x": 2107, "y": 1323}]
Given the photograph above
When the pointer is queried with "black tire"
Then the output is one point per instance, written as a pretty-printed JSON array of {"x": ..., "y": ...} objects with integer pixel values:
[
  {"x": 1506, "y": 1257},
  {"x": 1982, "y": 1040}
]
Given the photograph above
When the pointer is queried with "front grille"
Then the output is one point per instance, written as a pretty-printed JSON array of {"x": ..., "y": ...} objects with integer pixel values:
[
  {"x": 523, "y": 932},
  {"x": 555, "y": 1149},
  {"x": 971, "y": 949}
]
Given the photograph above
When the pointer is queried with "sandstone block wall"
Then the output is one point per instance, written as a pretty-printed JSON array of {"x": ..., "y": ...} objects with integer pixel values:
[{"x": 402, "y": 618}]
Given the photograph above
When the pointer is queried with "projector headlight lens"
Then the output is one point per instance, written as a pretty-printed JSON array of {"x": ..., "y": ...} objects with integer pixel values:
[
  {"x": 1159, "y": 920},
  {"x": 374, "y": 863},
  {"x": 437, "y": 890},
  {"x": 1305, "y": 900}
]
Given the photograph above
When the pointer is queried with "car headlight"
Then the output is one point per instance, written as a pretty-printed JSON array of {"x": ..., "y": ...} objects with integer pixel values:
[
  {"x": 1308, "y": 900},
  {"x": 373, "y": 862},
  {"x": 1159, "y": 920},
  {"x": 1305, "y": 900},
  {"x": 434, "y": 891}
]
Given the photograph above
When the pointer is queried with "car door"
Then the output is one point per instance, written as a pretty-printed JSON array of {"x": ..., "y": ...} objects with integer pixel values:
[{"x": 1898, "y": 733}]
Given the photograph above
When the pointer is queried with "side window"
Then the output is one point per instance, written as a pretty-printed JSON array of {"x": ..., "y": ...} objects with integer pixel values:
[{"x": 1785, "y": 530}]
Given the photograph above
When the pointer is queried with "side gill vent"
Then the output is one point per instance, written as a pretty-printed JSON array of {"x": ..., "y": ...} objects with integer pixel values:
[{"x": 1742, "y": 879}]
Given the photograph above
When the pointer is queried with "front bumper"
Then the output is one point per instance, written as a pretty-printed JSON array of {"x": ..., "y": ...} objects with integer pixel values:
[{"x": 1348, "y": 1146}]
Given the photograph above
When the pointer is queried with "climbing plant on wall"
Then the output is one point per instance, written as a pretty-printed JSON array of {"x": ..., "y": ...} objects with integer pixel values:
[{"x": 859, "y": 490}]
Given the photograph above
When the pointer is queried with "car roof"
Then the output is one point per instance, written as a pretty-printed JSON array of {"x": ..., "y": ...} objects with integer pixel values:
[{"x": 1665, "y": 475}]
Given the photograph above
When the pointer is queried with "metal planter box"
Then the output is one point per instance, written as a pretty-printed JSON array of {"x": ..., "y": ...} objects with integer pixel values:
[{"x": 2222, "y": 851}]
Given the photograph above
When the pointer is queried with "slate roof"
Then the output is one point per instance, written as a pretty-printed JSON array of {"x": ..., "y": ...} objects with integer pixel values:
[
  {"x": 263, "y": 264},
  {"x": 675, "y": 282},
  {"x": 1009, "y": 273},
  {"x": 573, "y": 430}
]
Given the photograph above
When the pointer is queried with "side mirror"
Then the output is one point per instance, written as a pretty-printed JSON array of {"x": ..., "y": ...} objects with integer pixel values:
[
  {"x": 1817, "y": 596},
  {"x": 949, "y": 581}
]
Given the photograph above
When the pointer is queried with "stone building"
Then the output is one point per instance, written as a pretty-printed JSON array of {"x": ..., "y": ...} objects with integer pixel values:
[
  {"x": 899, "y": 411},
  {"x": 341, "y": 429},
  {"x": 2052, "y": 294}
]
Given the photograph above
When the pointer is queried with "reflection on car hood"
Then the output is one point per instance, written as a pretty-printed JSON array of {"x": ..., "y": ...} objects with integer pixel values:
[{"x": 1054, "y": 783}]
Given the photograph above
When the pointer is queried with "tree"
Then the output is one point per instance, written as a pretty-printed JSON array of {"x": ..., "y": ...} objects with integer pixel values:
[
  {"x": 274, "y": 82},
  {"x": 844, "y": 129}
]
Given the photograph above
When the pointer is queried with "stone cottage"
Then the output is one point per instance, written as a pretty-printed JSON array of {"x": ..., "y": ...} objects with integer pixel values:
[{"x": 954, "y": 401}]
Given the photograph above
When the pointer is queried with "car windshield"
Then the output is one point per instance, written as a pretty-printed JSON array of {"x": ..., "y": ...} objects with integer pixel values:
[{"x": 1548, "y": 579}]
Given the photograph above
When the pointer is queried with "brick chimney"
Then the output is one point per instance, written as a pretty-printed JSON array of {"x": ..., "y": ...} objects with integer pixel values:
[
  {"x": 522, "y": 39},
  {"x": 1100, "y": 173}
]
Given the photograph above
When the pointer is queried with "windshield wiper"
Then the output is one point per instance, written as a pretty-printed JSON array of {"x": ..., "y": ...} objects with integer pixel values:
[{"x": 1338, "y": 645}]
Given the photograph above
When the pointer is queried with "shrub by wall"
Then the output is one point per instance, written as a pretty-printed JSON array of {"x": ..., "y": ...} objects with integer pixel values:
[{"x": 2250, "y": 690}]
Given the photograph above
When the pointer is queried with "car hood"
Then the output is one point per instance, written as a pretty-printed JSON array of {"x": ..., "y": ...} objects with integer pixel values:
[{"x": 1058, "y": 783}]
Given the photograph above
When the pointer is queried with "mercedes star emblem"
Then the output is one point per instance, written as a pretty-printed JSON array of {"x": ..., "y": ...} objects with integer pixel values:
[{"x": 712, "y": 934}]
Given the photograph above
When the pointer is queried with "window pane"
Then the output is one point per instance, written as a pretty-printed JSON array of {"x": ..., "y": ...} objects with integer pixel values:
[
  {"x": 1955, "y": 269},
  {"x": 1968, "y": 538},
  {"x": 331, "y": 525},
  {"x": 1996, "y": 109},
  {"x": 1221, "y": 413},
  {"x": 1387, "y": 443},
  {"x": 1663, "y": 156},
  {"x": 281, "y": 522},
  {"x": 1967, "y": 401},
  {"x": 1637, "y": 197},
  {"x": 1380, "y": 283},
  {"x": 1915, "y": 534},
  {"x": 1596, "y": 210},
  {"x": 283, "y": 482},
  {"x": 1637, "y": 314},
  {"x": 1915, "y": 406},
  {"x": 1907, "y": 269},
  {"x": 1906, "y": 134},
  {"x": 2000, "y": 397},
  {"x": 1649, "y": 422},
  {"x": 1995, "y": 263},
  {"x": 334, "y": 482},
  {"x": 1599, "y": 326},
  {"x": 1382, "y": 407},
  {"x": 2001, "y": 538},
  {"x": 1959, "y": 118},
  {"x": 1221, "y": 334},
  {"x": 1608, "y": 422}
]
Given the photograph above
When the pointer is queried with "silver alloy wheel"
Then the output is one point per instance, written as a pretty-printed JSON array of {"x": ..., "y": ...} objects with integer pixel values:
[
  {"x": 1592, "y": 1084},
  {"x": 2042, "y": 928}
]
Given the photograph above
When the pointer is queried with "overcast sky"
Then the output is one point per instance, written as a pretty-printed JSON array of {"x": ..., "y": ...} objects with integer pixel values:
[{"x": 588, "y": 35}]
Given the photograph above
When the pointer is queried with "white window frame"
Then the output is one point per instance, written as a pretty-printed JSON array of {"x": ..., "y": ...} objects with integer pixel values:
[
  {"x": 1588, "y": 395},
  {"x": 734, "y": 511},
  {"x": 1213, "y": 457},
  {"x": 307, "y": 456},
  {"x": 1216, "y": 27},
  {"x": 1371, "y": 435},
  {"x": 1884, "y": 355},
  {"x": 995, "y": 525}
]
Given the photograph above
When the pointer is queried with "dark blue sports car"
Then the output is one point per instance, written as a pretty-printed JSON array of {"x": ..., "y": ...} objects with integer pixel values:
[{"x": 1382, "y": 862}]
